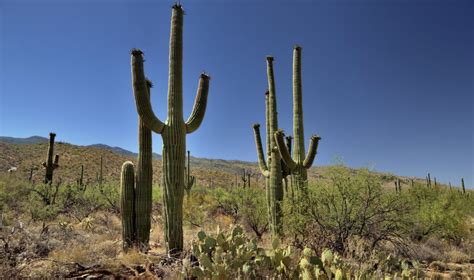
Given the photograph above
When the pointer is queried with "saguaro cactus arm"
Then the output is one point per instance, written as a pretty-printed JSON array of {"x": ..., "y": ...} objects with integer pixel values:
[
  {"x": 200, "y": 103},
  {"x": 283, "y": 149},
  {"x": 140, "y": 91},
  {"x": 312, "y": 151},
  {"x": 261, "y": 157},
  {"x": 127, "y": 182}
]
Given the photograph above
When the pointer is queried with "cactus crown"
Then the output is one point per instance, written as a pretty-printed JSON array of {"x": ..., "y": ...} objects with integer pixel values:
[{"x": 136, "y": 52}]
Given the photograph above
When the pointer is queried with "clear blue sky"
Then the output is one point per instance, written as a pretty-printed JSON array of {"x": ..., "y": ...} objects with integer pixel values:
[{"x": 388, "y": 83}]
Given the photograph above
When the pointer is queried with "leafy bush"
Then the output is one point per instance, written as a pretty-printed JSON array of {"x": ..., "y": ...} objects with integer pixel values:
[{"x": 345, "y": 207}]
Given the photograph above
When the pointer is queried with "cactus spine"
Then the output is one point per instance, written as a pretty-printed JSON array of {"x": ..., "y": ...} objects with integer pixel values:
[
  {"x": 299, "y": 164},
  {"x": 189, "y": 182},
  {"x": 173, "y": 131},
  {"x": 273, "y": 171},
  {"x": 49, "y": 164}
]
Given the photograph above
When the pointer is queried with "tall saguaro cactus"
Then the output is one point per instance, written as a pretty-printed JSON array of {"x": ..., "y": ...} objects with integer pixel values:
[
  {"x": 137, "y": 192},
  {"x": 50, "y": 165},
  {"x": 173, "y": 131},
  {"x": 300, "y": 162},
  {"x": 272, "y": 171}
]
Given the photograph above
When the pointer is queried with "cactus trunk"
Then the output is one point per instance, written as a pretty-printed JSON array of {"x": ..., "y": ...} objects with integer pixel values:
[
  {"x": 173, "y": 131},
  {"x": 49, "y": 164},
  {"x": 273, "y": 171},
  {"x": 143, "y": 181}
]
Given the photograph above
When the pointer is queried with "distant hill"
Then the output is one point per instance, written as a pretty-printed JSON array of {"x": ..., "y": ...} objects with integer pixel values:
[
  {"x": 29, "y": 140},
  {"x": 27, "y": 153}
]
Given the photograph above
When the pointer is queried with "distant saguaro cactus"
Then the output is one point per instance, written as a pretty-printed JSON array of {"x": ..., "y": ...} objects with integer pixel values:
[
  {"x": 49, "y": 164},
  {"x": 428, "y": 180},
  {"x": 299, "y": 164},
  {"x": 174, "y": 130},
  {"x": 137, "y": 195},
  {"x": 462, "y": 186},
  {"x": 189, "y": 180},
  {"x": 273, "y": 170},
  {"x": 80, "y": 181}
]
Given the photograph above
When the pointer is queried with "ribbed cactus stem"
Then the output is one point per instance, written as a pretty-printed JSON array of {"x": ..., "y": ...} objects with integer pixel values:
[
  {"x": 49, "y": 164},
  {"x": 127, "y": 183},
  {"x": 300, "y": 162},
  {"x": 174, "y": 130},
  {"x": 144, "y": 181}
]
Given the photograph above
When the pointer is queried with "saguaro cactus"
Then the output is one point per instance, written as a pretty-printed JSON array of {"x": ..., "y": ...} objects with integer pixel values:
[
  {"x": 80, "y": 181},
  {"x": 49, "y": 164},
  {"x": 137, "y": 195},
  {"x": 189, "y": 180},
  {"x": 463, "y": 187},
  {"x": 173, "y": 130},
  {"x": 299, "y": 164},
  {"x": 273, "y": 171},
  {"x": 127, "y": 182}
]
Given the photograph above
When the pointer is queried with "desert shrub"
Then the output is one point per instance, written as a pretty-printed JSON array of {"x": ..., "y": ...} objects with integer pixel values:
[
  {"x": 438, "y": 212},
  {"x": 342, "y": 208}
]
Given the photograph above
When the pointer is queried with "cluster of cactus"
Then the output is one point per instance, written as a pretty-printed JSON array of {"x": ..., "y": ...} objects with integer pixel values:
[
  {"x": 245, "y": 177},
  {"x": 189, "y": 180},
  {"x": 231, "y": 254},
  {"x": 137, "y": 190},
  {"x": 50, "y": 165},
  {"x": 173, "y": 131},
  {"x": 280, "y": 162}
]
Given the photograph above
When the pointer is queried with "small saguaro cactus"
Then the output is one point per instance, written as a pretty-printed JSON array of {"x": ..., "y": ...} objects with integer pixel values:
[
  {"x": 127, "y": 183},
  {"x": 428, "y": 180},
  {"x": 100, "y": 176},
  {"x": 273, "y": 170},
  {"x": 80, "y": 181},
  {"x": 189, "y": 180},
  {"x": 49, "y": 164},
  {"x": 173, "y": 131},
  {"x": 462, "y": 186},
  {"x": 299, "y": 164},
  {"x": 398, "y": 186}
]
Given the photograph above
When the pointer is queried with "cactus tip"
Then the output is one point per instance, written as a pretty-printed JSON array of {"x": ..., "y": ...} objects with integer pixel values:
[
  {"x": 204, "y": 75},
  {"x": 177, "y": 6},
  {"x": 256, "y": 125},
  {"x": 52, "y": 134},
  {"x": 316, "y": 137},
  {"x": 136, "y": 52},
  {"x": 297, "y": 47},
  {"x": 270, "y": 58}
]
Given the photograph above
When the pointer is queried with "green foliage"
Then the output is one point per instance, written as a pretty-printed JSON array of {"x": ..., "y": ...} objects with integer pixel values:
[
  {"x": 438, "y": 212},
  {"x": 345, "y": 207}
]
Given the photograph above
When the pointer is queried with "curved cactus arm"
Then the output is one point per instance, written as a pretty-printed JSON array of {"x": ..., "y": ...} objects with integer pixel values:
[
  {"x": 140, "y": 90},
  {"x": 312, "y": 151},
  {"x": 200, "y": 103},
  {"x": 283, "y": 149},
  {"x": 261, "y": 157}
]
